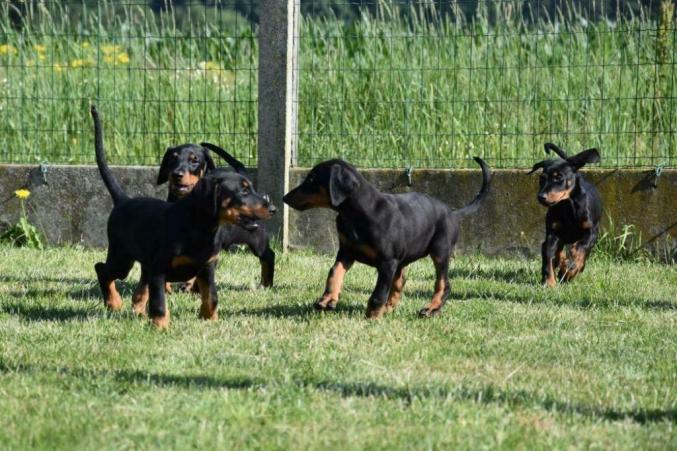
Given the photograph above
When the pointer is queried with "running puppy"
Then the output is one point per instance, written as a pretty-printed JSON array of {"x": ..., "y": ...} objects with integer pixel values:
[
  {"x": 173, "y": 242},
  {"x": 385, "y": 231},
  {"x": 182, "y": 167},
  {"x": 574, "y": 212}
]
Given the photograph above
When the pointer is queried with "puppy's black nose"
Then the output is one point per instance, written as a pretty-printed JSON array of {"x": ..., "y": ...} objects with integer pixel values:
[
  {"x": 541, "y": 197},
  {"x": 269, "y": 204}
]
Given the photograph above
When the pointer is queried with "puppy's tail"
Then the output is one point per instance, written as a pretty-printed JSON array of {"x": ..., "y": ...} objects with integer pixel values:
[
  {"x": 109, "y": 180},
  {"x": 231, "y": 160},
  {"x": 474, "y": 205}
]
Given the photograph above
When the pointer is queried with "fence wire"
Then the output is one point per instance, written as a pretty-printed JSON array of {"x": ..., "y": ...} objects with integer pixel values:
[
  {"x": 432, "y": 83},
  {"x": 161, "y": 73},
  {"x": 402, "y": 83}
]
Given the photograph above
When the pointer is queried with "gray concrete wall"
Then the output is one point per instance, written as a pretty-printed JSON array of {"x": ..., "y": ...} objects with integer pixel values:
[
  {"x": 510, "y": 221},
  {"x": 71, "y": 204}
]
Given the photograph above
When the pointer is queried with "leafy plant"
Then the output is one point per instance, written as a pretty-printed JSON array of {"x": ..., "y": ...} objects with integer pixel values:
[
  {"x": 624, "y": 244},
  {"x": 23, "y": 233}
]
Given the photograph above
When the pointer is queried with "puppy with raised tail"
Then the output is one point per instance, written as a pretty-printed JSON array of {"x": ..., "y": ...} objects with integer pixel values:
[{"x": 173, "y": 242}]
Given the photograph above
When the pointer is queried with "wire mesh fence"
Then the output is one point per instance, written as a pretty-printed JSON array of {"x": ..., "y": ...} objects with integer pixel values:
[
  {"x": 420, "y": 83},
  {"x": 431, "y": 83},
  {"x": 160, "y": 74}
]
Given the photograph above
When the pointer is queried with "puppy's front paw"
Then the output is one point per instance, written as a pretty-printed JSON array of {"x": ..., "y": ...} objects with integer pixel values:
[
  {"x": 161, "y": 322},
  {"x": 375, "y": 310},
  {"x": 208, "y": 313},
  {"x": 325, "y": 304},
  {"x": 428, "y": 312}
]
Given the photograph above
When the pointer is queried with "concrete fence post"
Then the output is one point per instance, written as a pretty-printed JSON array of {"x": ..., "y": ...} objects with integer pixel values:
[{"x": 278, "y": 88}]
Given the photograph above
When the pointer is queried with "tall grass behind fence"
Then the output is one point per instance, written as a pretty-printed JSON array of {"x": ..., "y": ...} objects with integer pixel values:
[
  {"x": 411, "y": 86},
  {"x": 407, "y": 84},
  {"x": 158, "y": 81}
]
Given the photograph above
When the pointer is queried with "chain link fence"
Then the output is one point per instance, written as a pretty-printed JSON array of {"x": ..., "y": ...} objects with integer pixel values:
[{"x": 405, "y": 83}]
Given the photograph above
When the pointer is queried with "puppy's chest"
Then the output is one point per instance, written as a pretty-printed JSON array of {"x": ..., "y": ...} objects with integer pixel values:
[
  {"x": 570, "y": 219},
  {"x": 194, "y": 250},
  {"x": 358, "y": 240}
]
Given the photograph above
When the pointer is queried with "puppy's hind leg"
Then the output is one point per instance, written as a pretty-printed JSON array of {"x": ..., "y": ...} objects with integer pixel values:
[
  {"x": 442, "y": 287},
  {"x": 116, "y": 267}
]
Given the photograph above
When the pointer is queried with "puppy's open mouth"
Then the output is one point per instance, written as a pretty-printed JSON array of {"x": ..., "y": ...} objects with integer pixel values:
[
  {"x": 248, "y": 223},
  {"x": 182, "y": 189}
]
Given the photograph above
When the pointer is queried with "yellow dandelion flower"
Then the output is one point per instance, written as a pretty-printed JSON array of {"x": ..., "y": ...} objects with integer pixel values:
[
  {"x": 59, "y": 67},
  {"x": 122, "y": 58},
  {"x": 22, "y": 193},
  {"x": 80, "y": 63},
  {"x": 40, "y": 48},
  {"x": 41, "y": 57},
  {"x": 85, "y": 45},
  {"x": 8, "y": 49},
  {"x": 111, "y": 49}
]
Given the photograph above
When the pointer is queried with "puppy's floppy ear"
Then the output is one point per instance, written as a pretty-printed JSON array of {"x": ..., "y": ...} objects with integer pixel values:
[
  {"x": 587, "y": 156},
  {"x": 539, "y": 165},
  {"x": 342, "y": 183},
  {"x": 163, "y": 174},
  {"x": 208, "y": 160},
  {"x": 555, "y": 148}
]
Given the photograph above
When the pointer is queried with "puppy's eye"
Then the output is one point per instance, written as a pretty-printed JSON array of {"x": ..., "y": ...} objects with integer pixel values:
[
  {"x": 175, "y": 155},
  {"x": 245, "y": 190}
]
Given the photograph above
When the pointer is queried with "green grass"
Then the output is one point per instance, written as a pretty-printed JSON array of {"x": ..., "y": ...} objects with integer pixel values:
[
  {"x": 508, "y": 364},
  {"x": 388, "y": 91}
]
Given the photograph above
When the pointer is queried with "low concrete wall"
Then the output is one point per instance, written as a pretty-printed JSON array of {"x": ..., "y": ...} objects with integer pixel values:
[
  {"x": 70, "y": 204},
  {"x": 511, "y": 221}
]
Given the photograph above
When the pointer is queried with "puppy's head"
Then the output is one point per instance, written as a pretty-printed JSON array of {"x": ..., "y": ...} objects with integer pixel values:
[
  {"x": 182, "y": 166},
  {"x": 327, "y": 185},
  {"x": 559, "y": 177},
  {"x": 230, "y": 198}
]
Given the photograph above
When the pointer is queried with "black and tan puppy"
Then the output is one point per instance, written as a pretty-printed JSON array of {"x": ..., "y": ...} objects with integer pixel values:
[
  {"x": 386, "y": 231},
  {"x": 183, "y": 166},
  {"x": 574, "y": 212},
  {"x": 173, "y": 242}
]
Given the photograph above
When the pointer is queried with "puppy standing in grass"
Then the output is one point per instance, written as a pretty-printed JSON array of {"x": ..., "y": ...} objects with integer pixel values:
[
  {"x": 173, "y": 242},
  {"x": 574, "y": 212},
  {"x": 385, "y": 231},
  {"x": 182, "y": 167}
]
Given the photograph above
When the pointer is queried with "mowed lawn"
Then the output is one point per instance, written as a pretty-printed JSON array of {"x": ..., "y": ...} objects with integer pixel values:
[{"x": 507, "y": 364}]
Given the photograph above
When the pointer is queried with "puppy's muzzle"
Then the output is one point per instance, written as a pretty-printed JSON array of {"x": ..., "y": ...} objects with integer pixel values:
[{"x": 269, "y": 204}]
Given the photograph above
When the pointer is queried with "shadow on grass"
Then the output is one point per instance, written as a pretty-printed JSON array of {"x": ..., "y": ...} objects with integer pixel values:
[
  {"x": 36, "y": 312},
  {"x": 90, "y": 292},
  {"x": 488, "y": 394},
  {"x": 297, "y": 310},
  {"x": 140, "y": 377},
  {"x": 579, "y": 302},
  {"x": 492, "y": 395},
  {"x": 518, "y": 275},
  {"x": 47, "y": 279}
]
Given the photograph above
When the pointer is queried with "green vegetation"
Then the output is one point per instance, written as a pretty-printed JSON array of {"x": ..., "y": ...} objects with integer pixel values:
[
  {"x": 508, "y": 364},
  {"x": 390, "y": 89}
]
